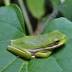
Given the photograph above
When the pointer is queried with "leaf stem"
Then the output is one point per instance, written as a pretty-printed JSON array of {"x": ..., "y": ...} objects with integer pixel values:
[
  {"x": 28, "y": 23},
  {"x": 44, "y": 22}
]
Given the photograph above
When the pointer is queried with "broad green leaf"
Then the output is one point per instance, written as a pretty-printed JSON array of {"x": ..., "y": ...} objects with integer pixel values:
[
  {"x": 11, "y": 12},
  {"x": 10, "y": 28},
  {"x": 61, "y": 61},
  {"x": 64, "y": 7},
  {"x": 20, "y": 15},
  {"x": 36, "y": 7},
  {"x": 64, "y": 56}
]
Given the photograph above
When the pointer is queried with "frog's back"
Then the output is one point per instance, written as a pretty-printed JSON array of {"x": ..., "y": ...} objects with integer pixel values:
[{"x": 37, "y": 41}]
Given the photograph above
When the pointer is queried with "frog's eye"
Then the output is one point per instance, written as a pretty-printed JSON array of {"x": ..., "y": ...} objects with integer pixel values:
[{"x": 56, "y": 42}]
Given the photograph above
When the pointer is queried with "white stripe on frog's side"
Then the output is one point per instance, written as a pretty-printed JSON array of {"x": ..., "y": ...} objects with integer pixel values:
[{"x": 45, "y": 49}]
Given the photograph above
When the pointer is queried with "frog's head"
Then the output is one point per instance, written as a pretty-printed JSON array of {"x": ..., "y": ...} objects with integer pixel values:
[{"x": 57, "y": 38}]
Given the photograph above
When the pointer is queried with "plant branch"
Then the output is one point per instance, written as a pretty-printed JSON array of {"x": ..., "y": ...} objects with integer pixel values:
[
  {"x": 28, "y": 23},
  {"x": 43, "y": 23}
]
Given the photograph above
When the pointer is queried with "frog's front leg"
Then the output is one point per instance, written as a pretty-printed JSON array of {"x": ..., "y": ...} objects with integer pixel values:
[{"x": 43, "y": 54}]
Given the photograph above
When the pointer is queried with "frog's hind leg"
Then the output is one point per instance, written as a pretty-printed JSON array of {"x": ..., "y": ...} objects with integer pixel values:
[{"x": 43, "y": 54}]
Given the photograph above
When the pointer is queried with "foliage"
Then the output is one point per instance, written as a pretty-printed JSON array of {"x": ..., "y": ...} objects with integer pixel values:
[{"x": 12, "y": 26}]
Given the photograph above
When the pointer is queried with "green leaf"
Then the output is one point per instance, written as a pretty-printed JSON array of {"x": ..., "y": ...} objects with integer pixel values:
[
  {"x": 10, "y": 28},
  {"x": 20, "y": 15},
  {"x": 11, "y": 12},
  {"x": 65, "y": 7},
  {"x": 63, "y": 58},
  {"x": 36, "y": 7},
  {"x": 61, "y": 61}
]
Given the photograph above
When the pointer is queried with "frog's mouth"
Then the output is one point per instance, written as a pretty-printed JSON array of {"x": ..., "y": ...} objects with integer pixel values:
[{"x": 51, "y": 46}]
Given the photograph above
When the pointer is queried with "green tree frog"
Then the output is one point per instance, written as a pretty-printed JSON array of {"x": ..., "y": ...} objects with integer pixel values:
[{"x": 37, "y": 46}]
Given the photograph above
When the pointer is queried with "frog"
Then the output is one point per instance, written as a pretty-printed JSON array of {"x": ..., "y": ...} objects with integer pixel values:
[{"x": 37, "y": 46}]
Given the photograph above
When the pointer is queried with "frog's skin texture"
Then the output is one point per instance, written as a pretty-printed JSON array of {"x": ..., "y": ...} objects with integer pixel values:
[{"x": 37, "y": 46}]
